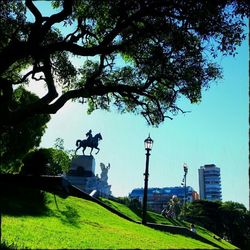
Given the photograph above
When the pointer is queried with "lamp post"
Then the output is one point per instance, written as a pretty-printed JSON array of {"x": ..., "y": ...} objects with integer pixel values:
[
  {"x": 185, "y": 168},
  {"x": 148, "y": 143}
]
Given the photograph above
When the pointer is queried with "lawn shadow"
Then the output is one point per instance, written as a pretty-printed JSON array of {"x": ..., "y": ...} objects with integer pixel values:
[
  {"x": 20, "y": 201},
  {"x": 136, "y": 210},
  {"x": 69, "y": 216},
  {"x": 149, "y": 217}
]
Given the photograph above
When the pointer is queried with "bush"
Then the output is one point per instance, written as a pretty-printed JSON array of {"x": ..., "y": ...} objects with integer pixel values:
[{"x": 45, "y": 161}]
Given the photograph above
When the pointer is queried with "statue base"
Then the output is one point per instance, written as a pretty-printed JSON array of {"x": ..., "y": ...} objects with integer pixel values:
[
  {"x": 82, "y": 165},
  {"x": 82, "y": 175}
]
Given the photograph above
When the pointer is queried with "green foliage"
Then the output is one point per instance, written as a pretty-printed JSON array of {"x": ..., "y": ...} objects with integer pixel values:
[
  {"x": 59, "y": 162},
  {"x": 18, "y": 139},
  {"x": 64, "y": 70},
  {"x": 48, "y": 161},
  {"x": 12, "y": 14},
  {"x": 236, "y": 223},
  {"x": 227, "y": 219},
  {"x": 135, "y": 56},
  {"x": 59, "y": 143}
]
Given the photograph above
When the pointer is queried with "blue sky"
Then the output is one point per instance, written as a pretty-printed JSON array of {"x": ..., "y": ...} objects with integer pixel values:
[{"x": 215, "y": 131}]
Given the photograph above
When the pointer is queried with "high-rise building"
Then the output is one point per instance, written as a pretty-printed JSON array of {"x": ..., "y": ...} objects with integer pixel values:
[{"x": 210, "y": 183}]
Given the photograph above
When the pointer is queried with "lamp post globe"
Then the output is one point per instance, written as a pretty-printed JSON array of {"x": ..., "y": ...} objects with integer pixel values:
[
  {"x": 148, "y": 144},
  {"x": 185, "y": 167}
]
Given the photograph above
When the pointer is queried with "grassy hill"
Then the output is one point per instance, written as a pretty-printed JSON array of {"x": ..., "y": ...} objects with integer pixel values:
[
  {"x": 159, "y": 219},
  {"x": 76, "y": 223}
]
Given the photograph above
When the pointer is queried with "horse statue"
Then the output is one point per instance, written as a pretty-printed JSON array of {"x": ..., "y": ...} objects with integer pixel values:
[{"x": 91, "y": 142}]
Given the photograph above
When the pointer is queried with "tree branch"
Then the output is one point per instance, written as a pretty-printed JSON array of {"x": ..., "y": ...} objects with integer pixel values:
[
  {"x": 33, "y": 9},
  {"x": 142, "y": 12},
  {"x": 86, "y": 93},
  {"x": 32, "y": 72},
  {"x": 52, "y": 93},
  {"x": 80, "y": 50},
  {"x": 59, "y": 17}
]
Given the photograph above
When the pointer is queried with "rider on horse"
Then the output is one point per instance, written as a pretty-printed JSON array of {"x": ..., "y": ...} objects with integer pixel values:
[
  {"x": 91, "y": 141},
  {"x": 89, "y": 137}
]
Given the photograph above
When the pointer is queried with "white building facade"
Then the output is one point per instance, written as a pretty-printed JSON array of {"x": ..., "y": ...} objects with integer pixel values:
[{"x": 210, "y": 183}]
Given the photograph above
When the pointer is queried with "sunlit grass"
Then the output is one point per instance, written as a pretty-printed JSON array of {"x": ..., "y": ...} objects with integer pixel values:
[
  {"x": 159, "y": 219},
  {"x": 83, "y": 224}
]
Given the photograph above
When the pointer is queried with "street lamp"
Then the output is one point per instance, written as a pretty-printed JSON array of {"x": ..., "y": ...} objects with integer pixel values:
[
  {"x": 185, "y": 168},
  {"x": 148, "y": 143}
]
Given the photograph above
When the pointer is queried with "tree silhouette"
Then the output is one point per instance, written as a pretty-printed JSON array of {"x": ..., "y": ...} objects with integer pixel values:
[{"x": 138, "y": 56}]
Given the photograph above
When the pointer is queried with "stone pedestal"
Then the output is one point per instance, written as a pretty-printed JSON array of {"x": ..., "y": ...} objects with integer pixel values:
[
  {"x": 82, "y": 165},
  {"x": 82, "y": 175}
]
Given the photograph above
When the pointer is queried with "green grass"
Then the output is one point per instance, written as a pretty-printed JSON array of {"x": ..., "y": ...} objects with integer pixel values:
[
  {"x": 78, "y": 223},
  {"x": 159, "y": 219}
]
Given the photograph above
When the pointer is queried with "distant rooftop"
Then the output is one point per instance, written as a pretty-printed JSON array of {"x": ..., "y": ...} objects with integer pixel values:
[{"x": 208, "y": 166}]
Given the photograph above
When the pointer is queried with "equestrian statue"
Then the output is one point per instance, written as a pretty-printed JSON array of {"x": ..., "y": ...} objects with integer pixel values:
[{"x": 91, "y": 141}]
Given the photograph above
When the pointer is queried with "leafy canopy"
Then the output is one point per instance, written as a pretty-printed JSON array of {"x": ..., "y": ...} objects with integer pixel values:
[
  {"x": 229, "y": 220},
  {"x": 18, "y": 139},
  {"x": 138, "y": 56}
]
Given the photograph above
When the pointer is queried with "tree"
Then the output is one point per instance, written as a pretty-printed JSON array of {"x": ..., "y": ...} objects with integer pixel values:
[
  {"x": 205, "y": 213},
  {"x": 59, "y": 143},
  {"x": 138, "y": 56},
  {"x": 229, "y": 220},
  {"x": 18, "y": 139},
  {"x": 45, "y": 161},
  {"x": 236, "y": 223}
]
